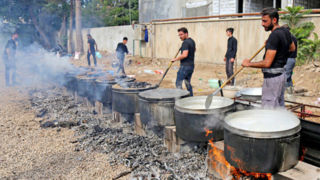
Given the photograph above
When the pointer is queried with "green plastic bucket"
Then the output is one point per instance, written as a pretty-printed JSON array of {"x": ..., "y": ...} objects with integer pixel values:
[{"x": 213, "y": 83}]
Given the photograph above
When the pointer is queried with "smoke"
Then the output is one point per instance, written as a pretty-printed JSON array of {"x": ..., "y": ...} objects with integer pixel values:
[{"x": 35, "y": 66}]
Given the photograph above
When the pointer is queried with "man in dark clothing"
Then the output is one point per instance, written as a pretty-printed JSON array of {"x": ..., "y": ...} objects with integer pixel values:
[
  {"x": 186, "y": 59},
  {"x": 291, "y": 62},
  {"x": 121, "y": 51},
  {"x": 278, "y": 47},
  {"x": 231, "y": 53},
  {"x": 9, "y": 59},
  {"x": 92, "y": 48}
]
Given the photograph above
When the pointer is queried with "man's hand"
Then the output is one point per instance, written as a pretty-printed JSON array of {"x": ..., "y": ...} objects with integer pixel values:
[
  {"x": 232, "y": 60},
  {"x": 246, "y": 63},
  {"x": 173, "y": 60},
  {"x": 225, "y": 59}
]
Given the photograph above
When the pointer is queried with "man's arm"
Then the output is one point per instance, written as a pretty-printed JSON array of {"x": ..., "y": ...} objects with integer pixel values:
[
  {"x": 89, "y": 47},
  {"x": 292, "y": 47},
  {"x": 8, "y": 51},
  {"x": 266, "y": 63},
  {"x": 234, "y": 50},
  {"x": 181, "y": 56},
  {"x": 96, "y": 46}
]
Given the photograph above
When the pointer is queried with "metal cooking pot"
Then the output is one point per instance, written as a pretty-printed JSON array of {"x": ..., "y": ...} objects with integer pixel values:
[
  {"x": 310, "y": 140},
  {"x": 125, "y": 100},
  {"x": 157, "y": 107},
  {"x": 262, "y": 141},
  {"x": 86, "y": 87},
  {"x": 103, "y": 92},
  {"x": 251, "y": 94},
  {"x": 70, "y": 81},
  {"x": 192, "y": 118}
]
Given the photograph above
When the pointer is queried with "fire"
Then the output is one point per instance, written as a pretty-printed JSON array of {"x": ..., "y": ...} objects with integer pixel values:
[
  {"x": 221, "y": 166},
  {"x": 304, "y": 151}
]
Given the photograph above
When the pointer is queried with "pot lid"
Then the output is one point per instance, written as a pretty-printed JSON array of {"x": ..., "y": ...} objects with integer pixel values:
[
  {"x": 163, "y": 94},
  {"x": 263, "y": 123},
  {"x": 197, "y": 103},
  {"x": 251, "y": 92}
]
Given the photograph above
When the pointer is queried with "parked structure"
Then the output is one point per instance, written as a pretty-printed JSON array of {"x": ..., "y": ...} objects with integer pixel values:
[{"x": 167, "y": 9}]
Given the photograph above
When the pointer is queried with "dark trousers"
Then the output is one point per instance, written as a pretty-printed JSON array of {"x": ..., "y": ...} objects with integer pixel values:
[
  {"x": 121, "y": 57},
  {"x": 229, "y": 69},
  {"x": 93, "y": 53},
  {"x": 10, "y": 70},
  {"x": 185, "y": 74},
  {"x": 291, "y": 62}
]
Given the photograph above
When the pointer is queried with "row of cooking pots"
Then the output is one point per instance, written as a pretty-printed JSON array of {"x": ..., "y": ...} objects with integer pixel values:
[{"x": 264, "y": 141}]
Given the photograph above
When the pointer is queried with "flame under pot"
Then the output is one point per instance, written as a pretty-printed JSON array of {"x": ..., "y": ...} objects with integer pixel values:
[
  {"x": 262, "y": 141},
  {"x": 192, "y": 118}
]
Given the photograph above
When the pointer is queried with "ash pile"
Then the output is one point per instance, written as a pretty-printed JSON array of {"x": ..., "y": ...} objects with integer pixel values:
[{"x": 146, "y": 157}]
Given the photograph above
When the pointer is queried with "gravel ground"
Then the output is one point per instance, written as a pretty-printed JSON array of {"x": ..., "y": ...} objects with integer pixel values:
[
  {"x": 28, "y": 151},
  {"x": 146, "y": 157}
]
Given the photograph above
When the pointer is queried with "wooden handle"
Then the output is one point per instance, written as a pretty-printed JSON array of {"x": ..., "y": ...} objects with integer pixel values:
[
  {"x": 165, "y": 73},
  {"x": 240, "y": 69}
]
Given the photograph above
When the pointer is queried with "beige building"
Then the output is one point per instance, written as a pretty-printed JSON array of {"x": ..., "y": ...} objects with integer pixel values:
[{"x": 168, "y": 9}]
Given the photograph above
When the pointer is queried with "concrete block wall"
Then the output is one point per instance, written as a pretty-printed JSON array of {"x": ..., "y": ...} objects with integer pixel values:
[
  {"x": 107, "y": 38},
  {"x": 211, "y": 40},
  {"x": 164, "y": 9}
]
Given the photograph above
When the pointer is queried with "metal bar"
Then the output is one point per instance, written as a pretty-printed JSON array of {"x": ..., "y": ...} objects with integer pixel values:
[
  {"x": 304, "y": 113},
  {"x": 223, "y": 16},
  {"x": 308, "y": 105}
]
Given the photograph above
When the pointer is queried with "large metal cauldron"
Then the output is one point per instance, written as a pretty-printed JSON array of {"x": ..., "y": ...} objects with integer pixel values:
[
  {"x": 192, "y": 118},
  {"x": 86, "y": 87},
  {"x": 262, "y": 141},
  {"x": 157, "y": 107},
  {"x": 251, "y": 94},
  {"x": 103, "y": 92},
  {"x": 125, "y": 100},
  {"x": 70, "y": 81}
]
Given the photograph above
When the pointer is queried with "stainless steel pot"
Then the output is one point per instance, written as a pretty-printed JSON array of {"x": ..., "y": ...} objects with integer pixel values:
[
  {"x": 157, "y": 107},
  {"x": 262, "y": 141},
  {"x": 125, "y": 100},
  {"x": 251, "y": 94},
  {"x": 86, "y": 87},
  {"x": 192, "y": 118},
  {"x": 103, "y": 92}
]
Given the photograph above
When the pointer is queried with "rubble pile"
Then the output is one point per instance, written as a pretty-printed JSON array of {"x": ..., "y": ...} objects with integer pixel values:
[{"x": 146, "y": 157}]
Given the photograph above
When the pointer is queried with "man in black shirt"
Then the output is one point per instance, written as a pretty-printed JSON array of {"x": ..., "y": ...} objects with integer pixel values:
[
  {"x": 230, "y": 54},
  {"x": 186, "y": 59},
  {"x": 9, "y": 59},
  {"x": 278, "y": 47},
  {"x": 290, "y": 63},
  {"x": 92, "y": 48},
  {"x": 121, "y": 51}
]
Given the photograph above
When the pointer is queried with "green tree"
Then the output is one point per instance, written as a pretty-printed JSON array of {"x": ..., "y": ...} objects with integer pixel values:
[
  {"x": 45, "y": 15},
  {"x": 308, "y": 49},
  {"x": 97, "y": 13}
]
